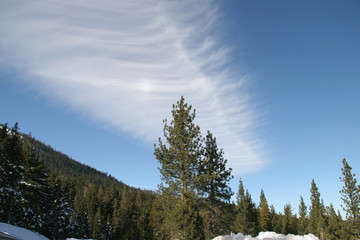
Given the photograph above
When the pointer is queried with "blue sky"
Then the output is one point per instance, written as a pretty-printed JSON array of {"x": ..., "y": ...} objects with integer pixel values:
[{"x": 277, "y": 82}]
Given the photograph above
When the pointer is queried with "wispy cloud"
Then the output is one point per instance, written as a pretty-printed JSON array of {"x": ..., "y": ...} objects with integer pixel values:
[{"x": 124, "y": 63}]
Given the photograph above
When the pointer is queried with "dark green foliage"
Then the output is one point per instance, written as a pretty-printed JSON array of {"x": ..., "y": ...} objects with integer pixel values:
[
  {"x": 79, "y": 201},
  {"x": 246, "y": 221},
  {"x": 317, "y": 211},
  {"x": 350, "y": 194},
  {"x": 11, "y": 172},
  {"x": 187, "y": 221},
  {"x": 264, "y": 213},
  {"x": 194, "y": 176},
  {"x": 213, "y": 176},
  {"x": 58, "y": 212},
  {"x": 180, "y": 154},
  {"x": 288, "y": 221},
  {"x": 36, "y": 190},
  {"x": 303, "y": 219},
  {"x": 333, "y": 229}
]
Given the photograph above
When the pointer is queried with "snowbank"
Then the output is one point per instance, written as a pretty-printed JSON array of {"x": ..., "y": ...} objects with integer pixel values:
[
  {"x": 267, "y": 236},
  {"x": 21, "y": 233}
]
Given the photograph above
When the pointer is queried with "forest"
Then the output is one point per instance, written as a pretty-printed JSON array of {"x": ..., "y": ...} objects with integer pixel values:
[{"x": 46, "y": 191}]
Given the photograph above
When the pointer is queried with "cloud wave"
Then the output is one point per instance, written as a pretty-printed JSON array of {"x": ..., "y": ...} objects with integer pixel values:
[{"x": 124, "y": 63}]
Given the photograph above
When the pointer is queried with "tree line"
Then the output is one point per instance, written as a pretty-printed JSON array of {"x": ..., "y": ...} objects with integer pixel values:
[{"x": 48, "y": 192}]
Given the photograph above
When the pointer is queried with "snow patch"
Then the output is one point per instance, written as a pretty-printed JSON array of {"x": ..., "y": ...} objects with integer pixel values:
[
  {"x": 267, "y": 236},
  {"x": 20, "y": 233}
]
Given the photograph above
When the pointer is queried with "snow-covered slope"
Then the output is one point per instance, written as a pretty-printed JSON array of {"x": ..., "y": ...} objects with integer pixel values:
[
  {"x": 267, "y": 236},
  {"x": 21, "y": 233}
]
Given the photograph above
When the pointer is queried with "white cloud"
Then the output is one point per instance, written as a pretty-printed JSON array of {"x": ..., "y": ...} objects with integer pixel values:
[{"x": 124, "y": 63}]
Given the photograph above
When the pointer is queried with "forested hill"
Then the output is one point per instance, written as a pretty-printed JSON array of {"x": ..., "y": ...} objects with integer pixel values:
[
  {"x": 46, "y": 191},
  {"x": 66, "y": 168}
]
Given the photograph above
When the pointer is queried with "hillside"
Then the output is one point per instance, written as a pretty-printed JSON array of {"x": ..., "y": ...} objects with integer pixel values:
[{"x": 64, "y": 167}]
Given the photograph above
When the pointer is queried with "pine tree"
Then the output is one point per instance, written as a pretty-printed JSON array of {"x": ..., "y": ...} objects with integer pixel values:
[
  {"x": 124, "y": 225},
  {"x": 36, "y": 189},
  {"x": 59, "y": 212},
  {"x": 247, "y": 217},
  {"x": 275, "y": 220},
  {"x": 179, "y": 157},
  {"x": 350, "y": 194},
  {"x": 213, "y": 180},
  {"x": 303, "y": 220},
  {"x": 213, "y": 175},
  {"x": 264, "y": 213},
  {"x": 316, "y": 215},
  {"x": 11, "y": 172},
  {"x": 333, "y": 230},
  {"x": 160, "y": 217},
  {"x": 288, "y": 223}
]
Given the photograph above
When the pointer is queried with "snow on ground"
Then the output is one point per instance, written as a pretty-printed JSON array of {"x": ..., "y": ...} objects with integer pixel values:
[
  {"x": 267, "y": 236},
  {"x": 20, "y": 233}
]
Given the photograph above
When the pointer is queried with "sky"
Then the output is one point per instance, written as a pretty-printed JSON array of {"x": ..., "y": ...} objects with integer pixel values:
[{"x": 276, "y": 82}]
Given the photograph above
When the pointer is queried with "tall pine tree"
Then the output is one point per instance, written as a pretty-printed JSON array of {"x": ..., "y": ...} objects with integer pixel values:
[
  {"x": 316, "y": 215},
  {"x": 179, "y": 156},
  {"x": 350, "y": 194},
  {"x": 246, "y": 221},
  {"x": 11, "y": 174},
  {"x": 303, "y": 220},
  {"x": 213, "y": 175},
  {"x": 264, "y": 213}
]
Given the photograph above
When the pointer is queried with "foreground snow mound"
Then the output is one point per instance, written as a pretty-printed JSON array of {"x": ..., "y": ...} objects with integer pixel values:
[
  {"x": 267, "y": 236},
  {"x": 21, "y": 233}
]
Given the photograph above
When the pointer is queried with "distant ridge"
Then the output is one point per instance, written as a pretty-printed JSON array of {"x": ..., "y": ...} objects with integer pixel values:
[{"x": 63, "y": 167}]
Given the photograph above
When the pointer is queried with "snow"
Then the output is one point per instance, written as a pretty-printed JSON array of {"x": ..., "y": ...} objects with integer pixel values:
[
  {"x": 267, "y": 236},
  {"x": 21, "y": 233},
  {"x": 25, "y": 234}
]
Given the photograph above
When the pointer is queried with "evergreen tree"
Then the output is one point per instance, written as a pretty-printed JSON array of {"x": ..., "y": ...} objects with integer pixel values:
[
  {"x": 11, "y": 172},
  {"x": 59, "y": 212},
  {"x": 264, "y": 213},
  {"x": 124, "y": 225},
  {"x": 333, "y": 230},
  {"x": 247, "y": 217},
  {"x": 179, "y": 157},
  {"x": 188, "y": 221},
  {"x": 36, "y": 190},
  {"x": 213, "y": 175},
  {"x": 288, "y": 223},
  {"x": 160, "y": 217},
  {"x": 350, "y": 194},
  {"x": 303, "y": 220},
  {"x": 275, "y": 220},
  {"x": 316, "y": 215},
  {"x": 213, "y": 180}
]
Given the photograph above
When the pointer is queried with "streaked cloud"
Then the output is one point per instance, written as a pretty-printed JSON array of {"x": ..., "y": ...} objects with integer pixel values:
[{"x": 124, "y": 63}]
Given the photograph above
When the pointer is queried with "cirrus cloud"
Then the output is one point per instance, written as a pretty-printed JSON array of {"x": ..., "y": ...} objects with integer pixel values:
[{"x": 123, "y": 63}]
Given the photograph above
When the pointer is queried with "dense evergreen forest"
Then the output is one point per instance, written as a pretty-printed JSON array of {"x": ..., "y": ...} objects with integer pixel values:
[{"x": 48, "y": 192}]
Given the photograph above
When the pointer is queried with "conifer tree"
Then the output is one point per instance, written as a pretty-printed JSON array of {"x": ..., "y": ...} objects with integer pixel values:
[
  {"x": 333, "y": 229},
  {"x": 35, "y": 189},
  {"x": 275, "y": 220},
  {"x": 288, "y": 224},
  {"x": 213, "y": 175},
  {"x": 179, "y": 158},
  {"x": 11, "y": 172},
  {"x": 264, "y": 213},
  {"x": 180, "y": 154},
  {"x": 59, "y": 212},
  {"x": 247, "y": 217},
  {"x": 213, "y": 180},
  {"x": 303, "y": 220},
  {"x": 350, "y": 194},
  {"x": 316, "y": 215}
]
